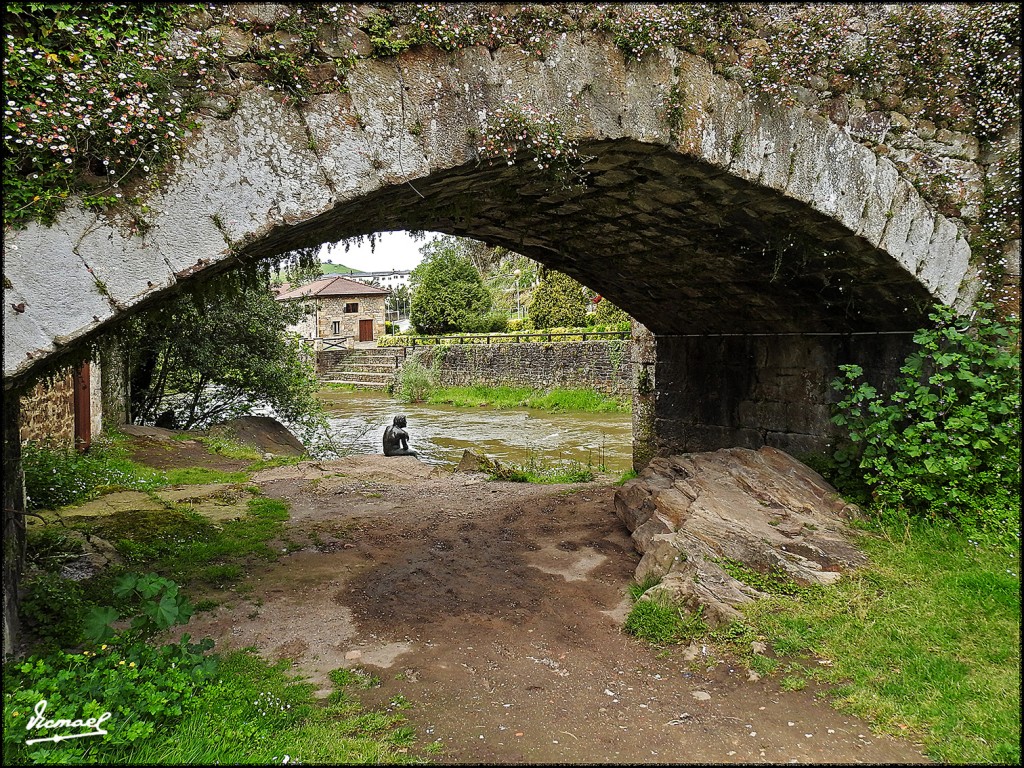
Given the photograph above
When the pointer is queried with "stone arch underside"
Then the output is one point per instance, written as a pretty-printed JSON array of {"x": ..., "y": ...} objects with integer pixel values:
[{"x": 744, "y": 217}]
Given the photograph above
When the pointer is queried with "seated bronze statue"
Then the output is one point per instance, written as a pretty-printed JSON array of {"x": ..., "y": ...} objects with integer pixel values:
[{"x": 396, "y": 439}]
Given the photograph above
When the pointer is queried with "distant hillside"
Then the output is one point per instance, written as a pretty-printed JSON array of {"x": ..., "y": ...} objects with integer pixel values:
[{"x": 336, "y": 269}]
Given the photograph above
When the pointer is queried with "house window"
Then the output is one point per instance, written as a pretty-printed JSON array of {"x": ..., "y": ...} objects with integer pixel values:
[
  {"x": 351, "y": 307},
  {"x": 336, "y": 328}
]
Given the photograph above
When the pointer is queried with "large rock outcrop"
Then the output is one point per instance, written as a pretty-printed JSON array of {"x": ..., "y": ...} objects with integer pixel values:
[{"x": 692, "y": 514}]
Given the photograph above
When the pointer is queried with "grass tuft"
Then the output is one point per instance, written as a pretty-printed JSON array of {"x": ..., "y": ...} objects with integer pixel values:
[{"x": 661, "y": 621}]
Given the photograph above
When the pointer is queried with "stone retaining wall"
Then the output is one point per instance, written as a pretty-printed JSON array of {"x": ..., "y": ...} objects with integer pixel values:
[
  {"x": 48, "y": 412},
  {"x": 601, "y": 365}
]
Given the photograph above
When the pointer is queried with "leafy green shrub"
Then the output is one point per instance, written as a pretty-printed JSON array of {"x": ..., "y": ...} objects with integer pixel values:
[
  {"x": 56, "y": 477},
  {"x": 559, "y": 301},
  {"x": 49, "y": 547},
  {"x": 606, "y": 313},
  {"x": 773, "y": 582},
  {"x": 157, "y": 603},
  {"x": 415, "y": 382},
  {"x": 946, "y": 442},
  {"x": 53, "y": 608},
  {"x": 536, "y": 471},
  {"x": 497, "y": 322},
  {"x": 450, "y": 295},
  {"x": 396, "y": 340},
  {"x": 515, "y": 325},
  {"x": 145, "y": 689}
]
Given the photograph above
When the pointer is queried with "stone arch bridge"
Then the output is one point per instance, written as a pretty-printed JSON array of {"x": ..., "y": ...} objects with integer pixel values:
[{"x": 758, "y": 245}]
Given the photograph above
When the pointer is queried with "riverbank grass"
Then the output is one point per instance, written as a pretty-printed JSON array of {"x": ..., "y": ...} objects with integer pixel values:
[
  {"x": 502, "y": 398},
  {"x": 924, "y": 641}
]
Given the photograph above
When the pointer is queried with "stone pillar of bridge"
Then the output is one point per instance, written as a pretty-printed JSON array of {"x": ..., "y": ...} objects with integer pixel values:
[
  {"x": 644, "y": 356},
  {"x": 14, "y": 520},
  {"x": 715, "y": 392}
]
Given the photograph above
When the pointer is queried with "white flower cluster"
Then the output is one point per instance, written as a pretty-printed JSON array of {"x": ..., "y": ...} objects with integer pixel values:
[{"x": 520, "y": 127}]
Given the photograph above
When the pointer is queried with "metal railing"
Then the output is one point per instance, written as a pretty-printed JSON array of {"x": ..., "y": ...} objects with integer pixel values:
[{"x": 499, "y": 338}]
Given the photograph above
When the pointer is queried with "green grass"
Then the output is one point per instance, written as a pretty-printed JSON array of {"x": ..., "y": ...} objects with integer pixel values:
[
  {"x": 638, "y": 588},
  {"x": 335, "y": 386},
  {"x": 661, "y": 621},
  {"x": 181, "y": 544},
  {"x": 626, "y": 476},
  {"x": 253, "y": 712},
  {"x": 536, "y": 471},
  {"x": 335, "y": 269},
  {"x": 229, "y": 448},
  {"x": 501, "y": 398},
  {"x": 55, "y": 478},
  {"x": 188, "y": 476},
  {"x": 926, "y": 640}
]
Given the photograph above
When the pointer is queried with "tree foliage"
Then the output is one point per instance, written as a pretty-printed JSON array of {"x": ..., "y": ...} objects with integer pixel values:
[
  {"x": 299, "y": 267},
  {"x": 606, "y": 313},
  {"x": 448, "y": 292},
  {"x": 946, "y": 442},
  {"x": 220, "y": 353},
  {"x": 559, "y": 301}
]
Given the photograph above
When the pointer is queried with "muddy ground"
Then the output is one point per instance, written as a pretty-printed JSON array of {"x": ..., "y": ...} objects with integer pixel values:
[{"x": 495, "y": 609}]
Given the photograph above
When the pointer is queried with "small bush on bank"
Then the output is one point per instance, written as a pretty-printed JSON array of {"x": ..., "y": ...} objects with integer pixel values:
[{"x": 414, "y": 383}]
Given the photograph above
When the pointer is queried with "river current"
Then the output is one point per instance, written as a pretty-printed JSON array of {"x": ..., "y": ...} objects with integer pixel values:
[{"x": 440, "y": 433}]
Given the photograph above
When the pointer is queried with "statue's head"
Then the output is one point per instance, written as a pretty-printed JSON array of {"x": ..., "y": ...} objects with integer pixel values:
[{"x": 399, "y": 421}]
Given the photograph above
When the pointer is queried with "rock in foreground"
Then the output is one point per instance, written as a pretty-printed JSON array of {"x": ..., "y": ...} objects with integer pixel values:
[
  {"x": 690, "y": 513},
  {"x": 263, "y": 433}
]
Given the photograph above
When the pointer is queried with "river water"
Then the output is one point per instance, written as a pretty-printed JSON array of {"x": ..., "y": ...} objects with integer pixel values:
[{"x": 440, "y": 433}]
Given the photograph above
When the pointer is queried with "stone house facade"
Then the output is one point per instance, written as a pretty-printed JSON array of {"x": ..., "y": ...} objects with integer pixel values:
[{"x": 339, "y": 309}]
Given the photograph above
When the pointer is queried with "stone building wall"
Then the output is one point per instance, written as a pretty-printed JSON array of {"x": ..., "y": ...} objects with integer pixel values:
[
  {"x": 332, "y": 309},
  {"x": 601, "y": 365},
  {"x": 48, "y": 412}
]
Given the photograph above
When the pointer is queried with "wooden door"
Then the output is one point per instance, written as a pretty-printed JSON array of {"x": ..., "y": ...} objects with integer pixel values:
[
  {"x": 366, "y": 330},
  {"x": 82, "y": 410}
]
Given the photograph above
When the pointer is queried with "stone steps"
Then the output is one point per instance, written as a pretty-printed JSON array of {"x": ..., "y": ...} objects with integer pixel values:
[
  {"x": 385, "y": 368},
  {"x": 357, "y": 377},
  {"x": 365, "y": 368}
]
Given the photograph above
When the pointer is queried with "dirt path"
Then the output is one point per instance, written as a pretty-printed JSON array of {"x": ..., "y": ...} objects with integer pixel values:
[{"x": 495, "y": 610}]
